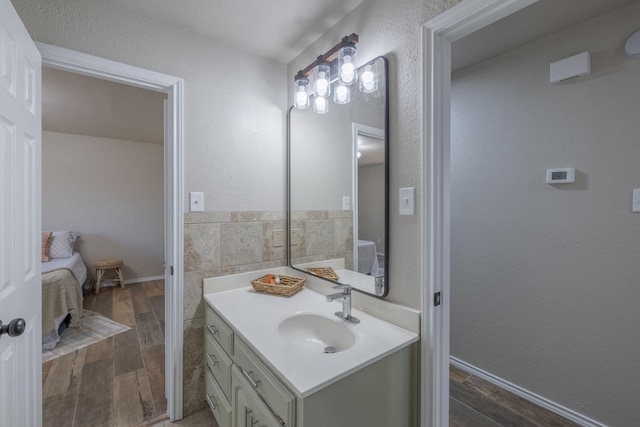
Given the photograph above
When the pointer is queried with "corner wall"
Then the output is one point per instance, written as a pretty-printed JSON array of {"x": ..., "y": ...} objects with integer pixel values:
[{"x": 544, "y": 279}]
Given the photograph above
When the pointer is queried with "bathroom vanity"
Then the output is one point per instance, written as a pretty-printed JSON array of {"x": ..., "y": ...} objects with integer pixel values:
[{"x": 274, "y": 361}]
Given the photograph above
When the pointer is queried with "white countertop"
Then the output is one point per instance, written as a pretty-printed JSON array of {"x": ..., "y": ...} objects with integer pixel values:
[{"x": 256, "y": 316}]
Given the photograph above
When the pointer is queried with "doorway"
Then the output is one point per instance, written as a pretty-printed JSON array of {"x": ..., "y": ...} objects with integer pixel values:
[
  {"x": 439, "y": 34},
  {"x": 103, "y": 178},
  {"x": 88, "y": 65}
]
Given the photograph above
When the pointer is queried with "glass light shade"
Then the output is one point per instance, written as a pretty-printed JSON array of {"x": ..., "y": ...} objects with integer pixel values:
[
  {"x": 342, "y": 94},
  {"x": 320, "y": 104},
  {"x": 322, "y": 80},
  {"x": 368, "y": 80},
  {"x": 347, "y": 65},
  {"x": 301, "y": 93}
]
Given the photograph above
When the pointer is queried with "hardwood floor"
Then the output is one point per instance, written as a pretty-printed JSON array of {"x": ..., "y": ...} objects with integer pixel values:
[
  {"x": 118, "y": 381},
  {"x": 474, "y": 402}
]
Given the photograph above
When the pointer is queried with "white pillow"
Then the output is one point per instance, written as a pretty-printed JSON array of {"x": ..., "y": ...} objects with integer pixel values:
[{"x": 62, "y": 243}]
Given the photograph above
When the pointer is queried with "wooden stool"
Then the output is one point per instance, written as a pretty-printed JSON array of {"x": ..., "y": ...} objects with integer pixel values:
[{"x": 109, "y": 264}]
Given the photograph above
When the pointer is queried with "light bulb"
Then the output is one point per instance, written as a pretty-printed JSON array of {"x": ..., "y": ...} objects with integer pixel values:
[
  {"x": 320, "y": 105},
  {"x": 347, "y": 65},
  {"x": 322, "y": 80},
  {"x": 368, "y": 82},
  {"x": 301, "y": 96},
  {"x": 342, "y": 95},
  {"x": 302, "y": 99},
  {"x": 347, "y": 72},
  {"x": 322, "y": 84}
]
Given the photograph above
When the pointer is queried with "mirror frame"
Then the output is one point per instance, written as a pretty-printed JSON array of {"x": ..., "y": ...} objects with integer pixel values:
[{"x": 385, "y": 63}]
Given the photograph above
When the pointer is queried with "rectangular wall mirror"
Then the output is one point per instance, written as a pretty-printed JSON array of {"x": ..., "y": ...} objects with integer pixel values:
[{"x": 338, "y": 188}]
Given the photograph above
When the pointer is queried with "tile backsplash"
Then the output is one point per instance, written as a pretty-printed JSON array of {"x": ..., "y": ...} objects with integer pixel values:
[{"x": 322, "y": 235}]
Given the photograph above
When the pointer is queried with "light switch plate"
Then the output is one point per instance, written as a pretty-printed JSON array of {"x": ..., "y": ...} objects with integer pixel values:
[
  {"x": 407, "y": 202},
  {"x": 196, "y": 201},
  {"x": 635, "y": 207}
]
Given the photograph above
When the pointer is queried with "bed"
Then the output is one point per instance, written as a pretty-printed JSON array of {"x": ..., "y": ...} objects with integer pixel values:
[{"x": 62, "y": 280}]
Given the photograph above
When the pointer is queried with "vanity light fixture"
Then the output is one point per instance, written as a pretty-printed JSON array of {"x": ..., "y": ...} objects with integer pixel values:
[{"x": 337, "y": 64}]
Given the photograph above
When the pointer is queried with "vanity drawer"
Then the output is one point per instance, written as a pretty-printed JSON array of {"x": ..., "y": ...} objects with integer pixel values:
[
  {"x": 218, "y": 363},
  {"x": 218, "y": 403},
  {"x": 275, "y": 395},
  {"x": 218, "y": 329},
  {"x": 248, "y": 409}
]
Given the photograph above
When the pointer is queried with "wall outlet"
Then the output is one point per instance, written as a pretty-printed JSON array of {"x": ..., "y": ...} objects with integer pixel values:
[
  {"x": 278, "y": 238},
  {"x": 346, "y": 203}
]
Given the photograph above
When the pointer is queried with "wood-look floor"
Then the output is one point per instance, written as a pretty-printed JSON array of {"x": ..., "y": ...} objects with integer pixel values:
[
  {"x": 474, "y": 402},
  {"x": 118, "y": 381}
]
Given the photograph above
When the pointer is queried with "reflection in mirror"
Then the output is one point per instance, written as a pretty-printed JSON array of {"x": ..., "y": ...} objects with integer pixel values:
[{"x": 338, "y": 189}]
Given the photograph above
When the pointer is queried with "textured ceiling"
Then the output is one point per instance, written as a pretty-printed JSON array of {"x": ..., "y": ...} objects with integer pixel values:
[{"x": 275, "y": 29}]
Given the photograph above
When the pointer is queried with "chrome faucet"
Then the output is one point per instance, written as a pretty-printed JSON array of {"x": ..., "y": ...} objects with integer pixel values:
[{"x": 346, "y": 303}]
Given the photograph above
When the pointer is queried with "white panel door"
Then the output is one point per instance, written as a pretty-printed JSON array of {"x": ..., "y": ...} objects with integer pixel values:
[{"x": 20, "y": 277}]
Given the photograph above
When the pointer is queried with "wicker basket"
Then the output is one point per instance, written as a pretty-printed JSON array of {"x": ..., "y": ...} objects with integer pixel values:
[
  {"x": 326, "y": 272},
  {"x": 288, "y": 285}
]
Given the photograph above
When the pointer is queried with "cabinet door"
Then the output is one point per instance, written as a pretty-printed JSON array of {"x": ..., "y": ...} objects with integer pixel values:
[{"x": 248, "y": 409}]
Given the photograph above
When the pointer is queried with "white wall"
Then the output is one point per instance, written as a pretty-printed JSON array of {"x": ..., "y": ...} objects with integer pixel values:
[
  {"x": 234, "y": 101},
  {"x": 393, "y": 29},
  {"x": 544, "y": 279},
  {"x": 111, "y": 191}
]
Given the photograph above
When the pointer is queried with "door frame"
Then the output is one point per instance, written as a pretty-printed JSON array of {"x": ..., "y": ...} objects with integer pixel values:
[
  {"x": 93, "y": 66},
  {"x": 437, "y": 36},
  {"x": 358, "y": 129}
]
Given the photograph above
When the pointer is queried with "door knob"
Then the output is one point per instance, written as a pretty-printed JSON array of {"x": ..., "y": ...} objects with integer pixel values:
[{"x": 15, "y": 328}]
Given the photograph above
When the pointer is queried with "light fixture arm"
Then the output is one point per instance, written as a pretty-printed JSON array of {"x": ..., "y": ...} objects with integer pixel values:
[{"x": 329, "y": 56}]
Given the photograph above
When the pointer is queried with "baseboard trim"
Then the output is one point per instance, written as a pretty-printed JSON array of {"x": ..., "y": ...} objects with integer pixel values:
[
  {"x": 550, "y": 405},
  {"x": 143, "y": 279}
]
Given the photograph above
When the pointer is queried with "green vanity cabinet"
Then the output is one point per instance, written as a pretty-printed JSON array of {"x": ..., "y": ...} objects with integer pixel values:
[{"x": 243, "y": 391}]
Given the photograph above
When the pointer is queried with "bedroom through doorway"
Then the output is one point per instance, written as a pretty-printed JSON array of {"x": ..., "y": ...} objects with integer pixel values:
[{"x": 103, "y": 181}]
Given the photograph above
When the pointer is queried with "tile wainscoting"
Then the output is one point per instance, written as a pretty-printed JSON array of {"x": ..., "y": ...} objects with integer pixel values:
[{"x": 219, "y": 244}]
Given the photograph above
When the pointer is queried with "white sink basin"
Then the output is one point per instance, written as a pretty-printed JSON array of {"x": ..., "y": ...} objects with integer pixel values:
[{"x": 316, "y": 333}]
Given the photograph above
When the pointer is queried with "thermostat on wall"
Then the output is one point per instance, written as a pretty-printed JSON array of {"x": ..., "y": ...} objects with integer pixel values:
[{"x": 561, "y": 176}]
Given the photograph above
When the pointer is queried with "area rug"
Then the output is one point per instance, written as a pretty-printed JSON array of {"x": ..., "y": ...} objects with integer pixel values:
[{"x": 94, "y": 327}]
